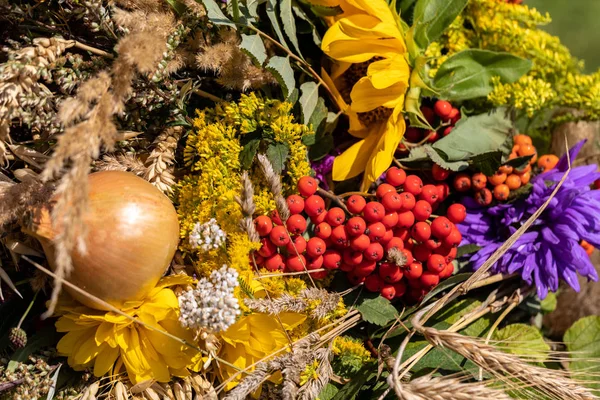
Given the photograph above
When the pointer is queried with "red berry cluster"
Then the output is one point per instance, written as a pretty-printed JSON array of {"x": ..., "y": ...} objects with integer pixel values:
[
  {"x": 442, "y": 115},
  {"x": 392, "y": 244}
]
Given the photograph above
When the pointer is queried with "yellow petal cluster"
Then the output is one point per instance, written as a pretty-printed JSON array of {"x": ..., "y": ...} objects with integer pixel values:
[
  {"x": 372, "y": 37},
  {"x": 107, "y": 341}
]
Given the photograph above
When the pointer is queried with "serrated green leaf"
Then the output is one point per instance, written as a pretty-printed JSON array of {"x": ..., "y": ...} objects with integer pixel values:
[
  {"x": 466, "y": 249},
  {"x": 549, "y": 303},
  {"x": 467, "y": 75},
  {"x": 522, "y": 340},
  {"x": 328, "y": 392},
  {"x": 519, "y": 163},
  {"x": 179, "y": 7},
  {"x": 488, "y": 163},
  {"x": 215, "y": 14},
  {"x": 318, "y": 118},
  {"x": 309, "y": 21},
  {"x": 289, "y": 24},
  {"x": 253, "y": 47},
  {"x": 351, "y": 389},
  {"x": 432, "y": 17},
  {"x": 277, "y": 153},
  {"x": 308, "y": 99},
  {"x": 441, "y": 159},
  {"x": 271, "y": 10},
  {"x": 475, "y": 135},
  {"x": 248, "y": 153},
  {"x": 282, "y": 71},
  {"x": 583, "y": 343},
  {"x": 377, "y": 310}
]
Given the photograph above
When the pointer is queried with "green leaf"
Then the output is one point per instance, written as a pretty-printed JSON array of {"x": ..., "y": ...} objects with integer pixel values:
[
  {"x": 277, "y": 153},
  {"x": 309, "y": 21},
  {"x": 351, "y": 389},
  {"x": 467, "y": 74},
  {"x": 522, "y": 340},
  {"x": 289, "y": 24},
  {"x": 322, "y": 147},
  {"x": 488, "y": 163},
  {"x": 282, "y": 71},
  {"x": 328, "y": 392},
  {"x": 272, "y": 14},
  {"x": 319, "y": 116},
  {"x": 441, "y": 159},
  {"x": 177, "y": 6},
  {"x": 248, "y": 153},
  {"x": 308, "y": 99},
  {"x": 583, "y": 342},
  {"x": 519, "y": 163},
  {"x": 377, "y": 310},
  {"x": 432, "y": 17},
  {"x": 309, "y": 139},
  {"x": 215, "y": 14},
  {"x": 475, "y": 135},
  {"x": 467, "y": 249},
  {"x": 253, "y": 47},
  {"x": 549, "y": 303},
  {"x": 438, "y": 358},
  {"x": 324, "y": 11}
]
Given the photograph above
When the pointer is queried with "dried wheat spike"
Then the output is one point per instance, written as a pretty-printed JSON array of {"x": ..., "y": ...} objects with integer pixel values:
[
  {"x": 274, "y": 181},
  {"x": 432, "y": 388},
  {"x": 160, "y": 163}
]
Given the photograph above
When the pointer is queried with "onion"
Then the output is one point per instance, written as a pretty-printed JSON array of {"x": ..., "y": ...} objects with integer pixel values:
[{"x": 133, "y": 233}]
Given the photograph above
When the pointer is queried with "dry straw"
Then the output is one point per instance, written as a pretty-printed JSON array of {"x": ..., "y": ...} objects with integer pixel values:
[
  {"x": 160, "y": 164},
  {"x": 434, "y": 388},
  {"x": 274, "y": 182},
  {"x": 246, "y": 202}
]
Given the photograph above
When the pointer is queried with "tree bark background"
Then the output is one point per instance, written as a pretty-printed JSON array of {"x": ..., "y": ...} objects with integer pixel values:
[{"x": 572, "y": 305}]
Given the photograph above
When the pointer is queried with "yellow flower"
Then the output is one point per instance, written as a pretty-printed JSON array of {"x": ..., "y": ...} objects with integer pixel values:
[
  {"x": 373, "y": 39},
  {"x": 100, "y": 340}
]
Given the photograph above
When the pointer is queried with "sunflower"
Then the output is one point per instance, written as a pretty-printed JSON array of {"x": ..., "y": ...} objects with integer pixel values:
[
  {"x": 107, "y": 341},
  {"x": 370, "y": 80}
]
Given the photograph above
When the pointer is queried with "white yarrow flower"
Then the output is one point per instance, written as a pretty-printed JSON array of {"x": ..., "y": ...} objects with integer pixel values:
[
  {"x": 212, "y": 305},
  {"x": 207, "y": 236}
]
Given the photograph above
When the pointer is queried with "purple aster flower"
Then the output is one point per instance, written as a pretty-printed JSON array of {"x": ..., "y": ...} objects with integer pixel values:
[
  {"x": 550, "y": 250},
  {"x": 322, "y": 168}
]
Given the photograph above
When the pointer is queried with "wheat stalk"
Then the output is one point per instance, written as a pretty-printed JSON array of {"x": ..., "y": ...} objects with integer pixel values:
[
  {"x": 433, "y": 388},
  {"x": 246, "y": 201},
  {"x": 161, "y": 161},
  {"x": 274, "y": 181}
]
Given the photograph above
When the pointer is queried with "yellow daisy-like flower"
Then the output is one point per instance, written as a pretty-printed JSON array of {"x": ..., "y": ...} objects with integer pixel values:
[
  {"x": 370, "y": 39},
  {"x": 106, "y": 341}
]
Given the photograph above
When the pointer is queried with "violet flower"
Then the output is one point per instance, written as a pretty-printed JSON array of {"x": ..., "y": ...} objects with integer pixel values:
[
  {"x": 550, "y": 249},
  {"x": 322, "y": 168}
]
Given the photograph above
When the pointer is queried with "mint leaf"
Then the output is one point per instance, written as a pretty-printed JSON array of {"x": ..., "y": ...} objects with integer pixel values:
[
  {"x": 284, "y": 74},
  {"x": 253, "y": 47}
]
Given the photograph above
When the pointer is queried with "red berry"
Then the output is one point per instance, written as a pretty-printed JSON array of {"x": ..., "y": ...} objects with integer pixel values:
[
  {"x": 408, "y": 256},
  {"x": 442, "y": 108},
  {"x": 447, "y": 130},
  {"x": 456, "y": 213},
  {"x": 319, "y": 218},
  {"x": 421, "y": 252},
  {"x": 276, "y": 218},
  {"x": 422, "y": 210},
  {"x": 408, "y": 201},
  {"x": 462, "y": 182},
  {"x": 414, "y": 270},
  {"x": 436, "y": 263},
  {"x": 454, "y": 116},
  {"x": 279, "y": 236},
  {"x": 441, "y": 227},
  {"x": 443, "y": 191},
  {"x": 402, "y": 233},
  {"x": 400, "y": 288},
  {"x": 388, "y": 292},
  {"x": 373, "y": 283},
  {"x": 314, "y": 205},
  {"x": 268, "y": 248},
  {"x": 432, "y": 136},
  {"x": 429, "y": 279},
  {"x": 295, "y": 263},
  {"x": 296, "y": 224},
  {"x": 365, "y": 268},
  {"x": 453, "y": 239},
  {"x": 355, "y": 279},
  {"x": 384, "y": 189},
  {"x": 439, "y": 173},
  {"x": 395, "y": 176},
  {"x": 413, "y": 135},
  {"x": 432, "y": 243},
  {"x": 392, "y": 201},
  {"x": 346, "y": 267},
  {"x": 307, "y": 186},
  {"x": 429, "y": 193},
  {"x": 390, "y": 220},
  {"x": 375, "y": 231},
  {"x": 360, "y": 243},
  {"x": 447, "y": 272},
  {"x": 374, "y": 252},
  {"x": 323, "y": 230},
  {"x": 263, "y": 225},
  {"x": 374, "y": 211},
  {"x": 296, "y": 245},
  {"x": 256, "y": 258},
  {"x": 332, "y": 259},
  {"x": 356, "y": 226},
  {"x": 295, "y": 203},
  {"x": 352, "y": 257},
  {"x": 275, "y": 263},
  {"x": 413, "y": 185},
  {"x": 451, "y": 255},
  {"x": 483, "y": 197},
  {"x": 339, "y": 236},
  {"x": 428, "y": 113},
  {"x": 315, "y": 263},
  {"x": 389, "y": 235},
  {"x": 390, "y": 272},
  {"x": 356, "y": 204},
  {"x": 315, "y": 247},
  {"x": 394, "y": 243},
  {"x": 406, "y": 219},
  {"x": 335, "y": 216}
]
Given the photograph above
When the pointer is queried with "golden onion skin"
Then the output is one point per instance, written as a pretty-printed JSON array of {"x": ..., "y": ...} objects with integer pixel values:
[{"x": 133, "y": 232}]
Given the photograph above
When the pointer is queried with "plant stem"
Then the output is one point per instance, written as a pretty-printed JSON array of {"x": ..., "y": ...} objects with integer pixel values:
[
  {"x": 334, "y": 198},
  {"x": 27, "y": 311},
  {"x": 236, "y": 11}
]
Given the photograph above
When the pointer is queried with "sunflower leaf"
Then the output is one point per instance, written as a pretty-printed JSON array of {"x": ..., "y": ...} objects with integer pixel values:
[
  {"x": 308, "y": 99},
  {"x": 432, "y": 17},
  {"x": 467, "y": 75},
  {"x": 253, "y": 47},
  {"x": 583, "y": 343},
  {"x": 284, "y": 74},
  {"x": 215, "y": 14}
]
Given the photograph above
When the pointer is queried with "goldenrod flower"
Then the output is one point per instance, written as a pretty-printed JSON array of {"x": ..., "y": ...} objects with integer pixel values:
[
  {"x": 370, "y": 39},
  {"x": 100, "y": 340}
]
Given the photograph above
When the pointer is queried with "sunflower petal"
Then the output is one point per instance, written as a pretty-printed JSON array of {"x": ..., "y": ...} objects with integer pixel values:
[
  {"x": 365, "y": 97},
  {"x": 105, "y": 360},
  {"x": 354, "y": 160},
  {"x": 388, "y": 72}
]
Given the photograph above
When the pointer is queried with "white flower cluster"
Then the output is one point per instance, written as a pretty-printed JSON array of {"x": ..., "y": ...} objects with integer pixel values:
[
  {"x": 211, "y": 305},
  {"x": 207, "y": 236}
]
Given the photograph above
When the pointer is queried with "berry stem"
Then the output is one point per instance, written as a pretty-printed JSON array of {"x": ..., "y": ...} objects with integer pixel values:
[
  {"x": 334, "y": 198},
  {"x": 27, "y": 311}
]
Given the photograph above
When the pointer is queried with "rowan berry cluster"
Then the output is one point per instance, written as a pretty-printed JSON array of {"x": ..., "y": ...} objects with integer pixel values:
[
  {"x": 442, "y": 115},
  {"x": 392, "y": 243}
]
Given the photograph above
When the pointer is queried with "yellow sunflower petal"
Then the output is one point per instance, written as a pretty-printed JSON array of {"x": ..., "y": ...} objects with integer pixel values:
[
  {"x": 105, "y": 360},
  {"x": 365, "y": 97},
  {"x": 388, "y": 72},
  {"x": 105, "y": 333},
  {"x": 379, "y": 8},
  {"x": 69, "y": 343},
  {"x": 353, "y": 161},
  {"x": 86, "y": 352}
]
